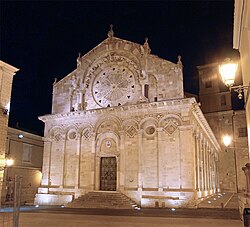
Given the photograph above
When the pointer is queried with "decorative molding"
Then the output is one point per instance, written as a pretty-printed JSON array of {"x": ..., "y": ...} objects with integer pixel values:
[
  {"x": 175, "y": 104},
  {"x": 201, "y": 120}
]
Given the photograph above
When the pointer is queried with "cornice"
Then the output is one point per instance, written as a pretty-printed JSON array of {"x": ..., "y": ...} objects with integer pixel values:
[
  {"x": 199, "y": 116},
  {"x": 9, "y": 68},
  {"x": 148, "y": 106}
]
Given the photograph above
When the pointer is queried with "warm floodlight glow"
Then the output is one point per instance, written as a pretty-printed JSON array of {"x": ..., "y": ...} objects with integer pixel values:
[
  {"x": 7, "y": 108},
  {"x": 9, "y": 162},
  {"x": 227, "y": 140},
  {"x": 227, "y": 72},
  {"x": 20, "y": 136}
]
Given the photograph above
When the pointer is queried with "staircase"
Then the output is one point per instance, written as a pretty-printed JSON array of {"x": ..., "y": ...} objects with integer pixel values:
[{"x": 103, "y": 199}]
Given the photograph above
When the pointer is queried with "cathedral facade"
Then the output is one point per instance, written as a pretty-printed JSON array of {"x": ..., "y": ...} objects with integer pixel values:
[{"x": 120, "y": 122}]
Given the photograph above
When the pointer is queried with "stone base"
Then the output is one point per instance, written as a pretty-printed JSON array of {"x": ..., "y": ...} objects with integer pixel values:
[
  {"x": 51, "y": 199},
  {"x": 244, "y": 202},
  {"x": 168, "y": 199}
]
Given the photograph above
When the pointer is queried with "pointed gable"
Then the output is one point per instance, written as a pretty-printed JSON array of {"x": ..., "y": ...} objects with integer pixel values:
[{"x": 117, "y": 72}]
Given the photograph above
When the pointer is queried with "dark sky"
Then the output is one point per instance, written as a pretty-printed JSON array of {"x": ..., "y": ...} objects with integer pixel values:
[{"x": 43, "y": 40}]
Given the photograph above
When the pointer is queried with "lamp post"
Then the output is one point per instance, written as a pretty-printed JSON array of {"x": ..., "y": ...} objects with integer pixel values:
[{"x": 228, "y": 71}]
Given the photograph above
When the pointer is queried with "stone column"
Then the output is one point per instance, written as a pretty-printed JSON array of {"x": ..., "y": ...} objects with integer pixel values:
[
  {"x": 199, "y": 147},
  {"x": 122, "y": 159},
  {"x": 217, "y": 181},
  {"x": 214, "y": 173},
  {"x": 159, "y": 158},
  {"x": 140, "y": 151},
  {"x": 246, "y": 170},
  {"x": 95, "y": 173},
  {"x": 197, "y": 158},
  {"x": 202, "y": 164},
  {"x": 209, "y": 169},
  {"x": 63, "y": 164},
  {"x": 118, "y": 166},
  {"x": 78, "y": 155},
  {"x": 46, "y": 162},
  {"x": 95, "y": 167},
  {"x": 207, "y": 166}
]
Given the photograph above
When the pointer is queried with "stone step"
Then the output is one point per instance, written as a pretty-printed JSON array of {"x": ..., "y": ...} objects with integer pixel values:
[{"x": 94, "y": 199}]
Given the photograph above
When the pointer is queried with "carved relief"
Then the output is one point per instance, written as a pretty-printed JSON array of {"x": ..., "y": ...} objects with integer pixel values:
[
  {"x": 170, "y": 127},
  {"x": 86, "y": 133},
  {"x": 130, "y": 127},
  {"x": 131, "y": 131},
  {"x": 108, "y": 146},
  {"x": 114, "y": 80},
  {"x": 76, "y": 93},
  {"x": 114, "y": 86},
  {"x": 56, "y": 134},
  {"x": 72, "y": 135},
  {"x": 112, "y": 58},
  {"x": 110, "y": 124},
  {"x": 170, "y": 123},
  {"x": 149, "y": 126}
]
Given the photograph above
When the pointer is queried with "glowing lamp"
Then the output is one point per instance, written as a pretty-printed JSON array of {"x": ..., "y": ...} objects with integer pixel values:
[
  {"x": 4, "y": 163},
  {"x": 6, "y": 109},
  {"x": 20, "y": 136},
  {"x": 9, "y": 162},
  {"x": 227, "y": 140},
  {"x": 228, "y": 71}
]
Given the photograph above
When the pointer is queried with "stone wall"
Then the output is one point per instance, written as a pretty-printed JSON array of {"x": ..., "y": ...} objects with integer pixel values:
[
  {"x": 125, "y": 103},
  {"x": 27, "y": 154},
  {"x": 233, "y": 157},
  {"x": 6, "y": 76},
  {"x": 154, "y": 145}
]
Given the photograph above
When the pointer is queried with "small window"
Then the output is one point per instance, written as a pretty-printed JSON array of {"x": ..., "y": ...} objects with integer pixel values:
[
  {"x": 208, "y": 84},
  {"x": 27, "y": 149},
  {"x": 155, "y": 99},
  {"x": 243, "y": 132},
  {"x": 223, "y": 101}
]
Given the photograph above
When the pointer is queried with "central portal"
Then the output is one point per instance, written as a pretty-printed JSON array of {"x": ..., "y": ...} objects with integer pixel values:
[{"x": 108, "y": 174}]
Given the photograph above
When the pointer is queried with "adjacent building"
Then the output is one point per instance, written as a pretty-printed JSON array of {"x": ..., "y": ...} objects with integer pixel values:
[
  {"x": 26, "y": 150},
  {"x": 241, "y": 42},
  {"x": 120, "y": 122},
  {"x": 6, "y": 76},
  {"x": 216, "y": 104}
]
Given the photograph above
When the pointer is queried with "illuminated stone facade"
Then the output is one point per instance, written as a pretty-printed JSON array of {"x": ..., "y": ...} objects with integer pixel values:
[
  {"x": 123, "y": 108},
  {"x": 6, "y": 76},
  {"x": 216, "y": 105},
  {"x": 26, "y": 149},
  {"x": 241, "y": 42}
]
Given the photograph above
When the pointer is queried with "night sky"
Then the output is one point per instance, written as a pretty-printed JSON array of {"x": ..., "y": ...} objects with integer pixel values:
[{"x": 43, "y": 39}]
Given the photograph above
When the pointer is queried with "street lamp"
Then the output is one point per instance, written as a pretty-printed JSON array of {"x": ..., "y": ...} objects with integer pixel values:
[
  {"x": 228, "y": 71},
  {"x": 227, "y": 140},
  {"x": 6, "y": 163}
]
